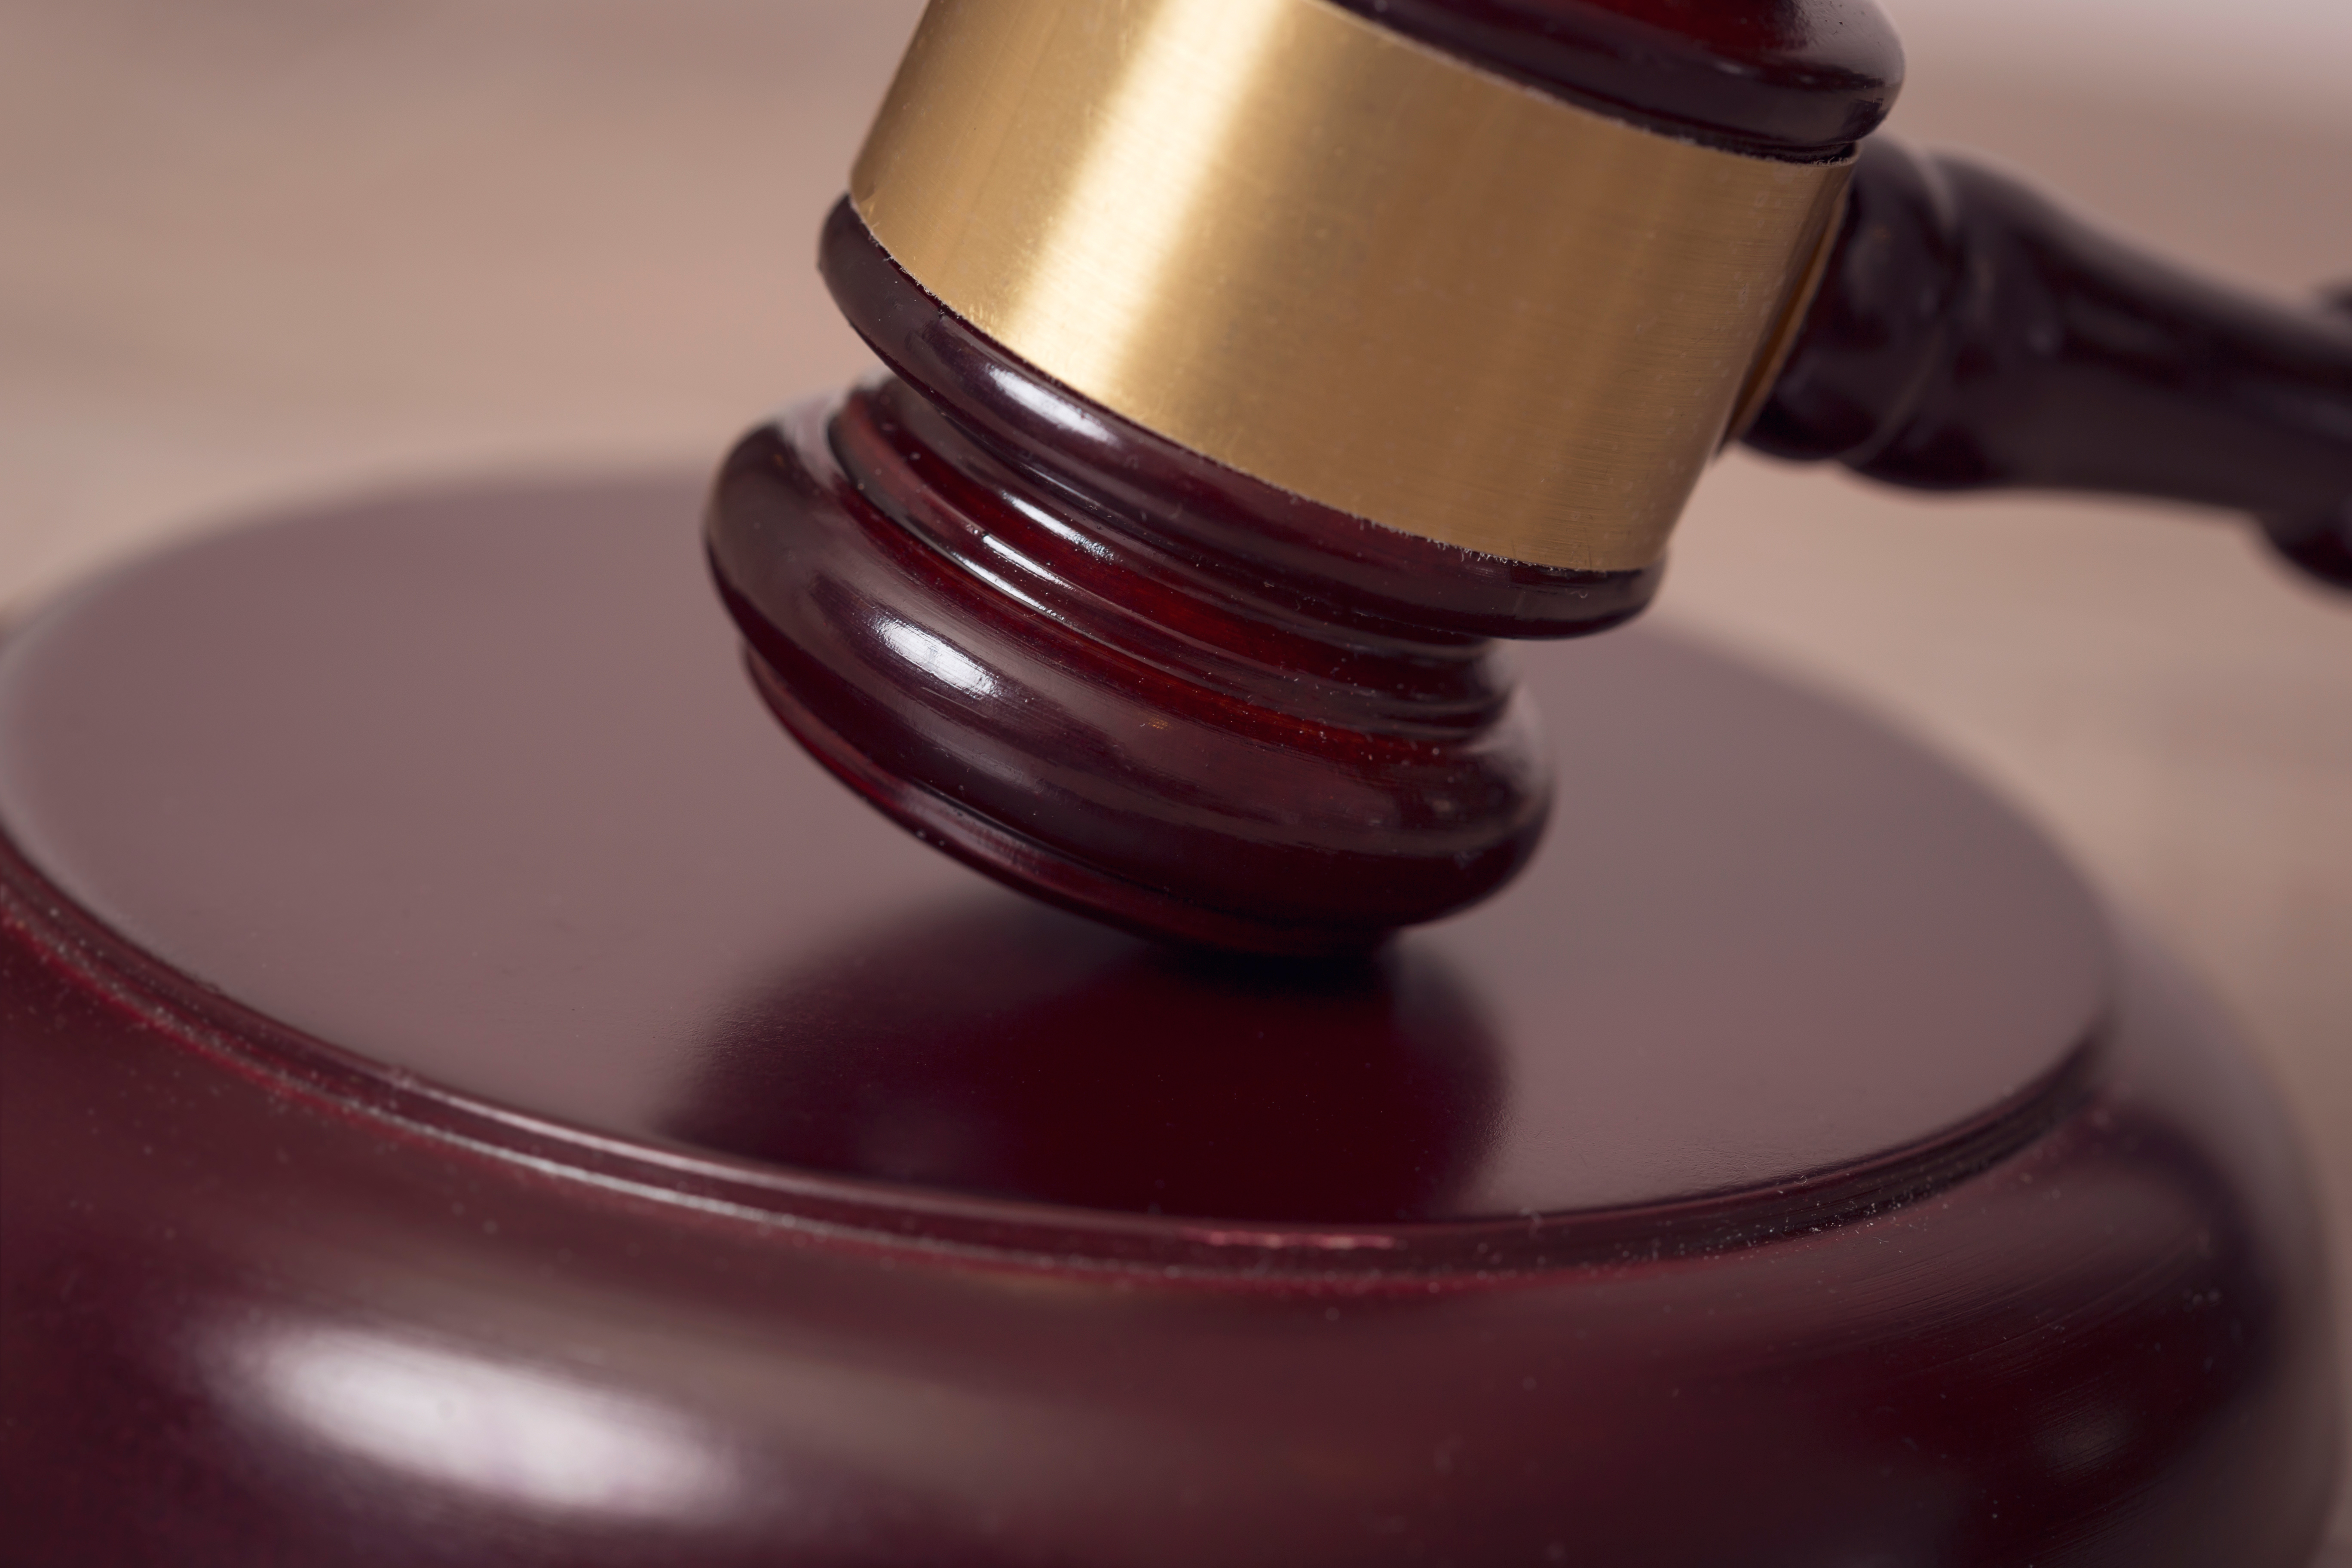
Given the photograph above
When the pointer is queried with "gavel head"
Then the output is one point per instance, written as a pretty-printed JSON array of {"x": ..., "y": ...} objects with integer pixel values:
[{"x": 1251, "y": 364}]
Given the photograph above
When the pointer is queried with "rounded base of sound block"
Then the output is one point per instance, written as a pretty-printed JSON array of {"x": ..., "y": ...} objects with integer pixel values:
[{"x": 476, "y": 1091}]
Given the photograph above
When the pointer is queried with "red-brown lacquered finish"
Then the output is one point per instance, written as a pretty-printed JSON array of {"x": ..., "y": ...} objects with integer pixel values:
[
  {"x": 1782, "y": 78},
  {"x": 1096, "y": 725},
  {"x": 475, "y": 1095},
  {"x": 1969, "y": 334}
]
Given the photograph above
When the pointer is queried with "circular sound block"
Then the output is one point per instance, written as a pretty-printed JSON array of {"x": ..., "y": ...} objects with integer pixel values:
[{"x": 476, "y": 1091}]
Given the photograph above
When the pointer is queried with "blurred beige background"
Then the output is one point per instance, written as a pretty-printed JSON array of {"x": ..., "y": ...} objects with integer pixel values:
[{"x": 257, "y": 250}]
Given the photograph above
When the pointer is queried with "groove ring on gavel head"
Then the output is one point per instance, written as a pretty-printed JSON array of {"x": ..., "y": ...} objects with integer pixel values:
[{"x": 1348, "y": 265}]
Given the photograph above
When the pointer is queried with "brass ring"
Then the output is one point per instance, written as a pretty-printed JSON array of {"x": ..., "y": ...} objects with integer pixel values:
[{"x": 1345, "y": 263}]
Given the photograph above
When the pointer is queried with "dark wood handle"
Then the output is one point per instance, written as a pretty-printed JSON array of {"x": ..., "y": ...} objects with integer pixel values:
[{"x": 1970, "y": 334}]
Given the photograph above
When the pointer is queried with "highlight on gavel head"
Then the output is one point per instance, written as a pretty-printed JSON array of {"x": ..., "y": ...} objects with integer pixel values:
[{"x": 1251, "y": 364}]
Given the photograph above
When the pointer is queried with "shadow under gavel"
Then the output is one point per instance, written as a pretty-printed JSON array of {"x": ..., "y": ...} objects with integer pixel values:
[{"x": 995, "y": 1047}]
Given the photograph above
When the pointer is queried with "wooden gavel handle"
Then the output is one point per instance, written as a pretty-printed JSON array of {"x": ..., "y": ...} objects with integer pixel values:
[{"x": 1969, "y": 334}]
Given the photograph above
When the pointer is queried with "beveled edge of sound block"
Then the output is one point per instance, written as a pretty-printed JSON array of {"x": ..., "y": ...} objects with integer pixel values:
[{"x": 870, "y": 1213}]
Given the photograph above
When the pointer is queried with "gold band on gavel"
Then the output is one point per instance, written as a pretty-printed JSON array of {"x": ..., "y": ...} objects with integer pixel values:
[{"x": 1346, "y": 264}]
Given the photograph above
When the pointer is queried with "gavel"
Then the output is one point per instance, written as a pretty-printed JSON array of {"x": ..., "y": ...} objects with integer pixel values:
[
  {"x": 1252, "y": 364},
  {"x": 469, "y": 1094}
]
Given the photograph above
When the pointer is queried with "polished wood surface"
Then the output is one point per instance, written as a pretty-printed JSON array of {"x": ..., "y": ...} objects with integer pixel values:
[
  {"x": 251, "y": 260},
  {"x": 1120, "y": 735},
  {"x": 627, "y": 1149},
  {"x": 476, "y": 786}
]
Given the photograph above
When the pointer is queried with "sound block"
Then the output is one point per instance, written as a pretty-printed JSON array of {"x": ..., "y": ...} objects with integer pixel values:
[{"x": 476, "y": 1094}]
